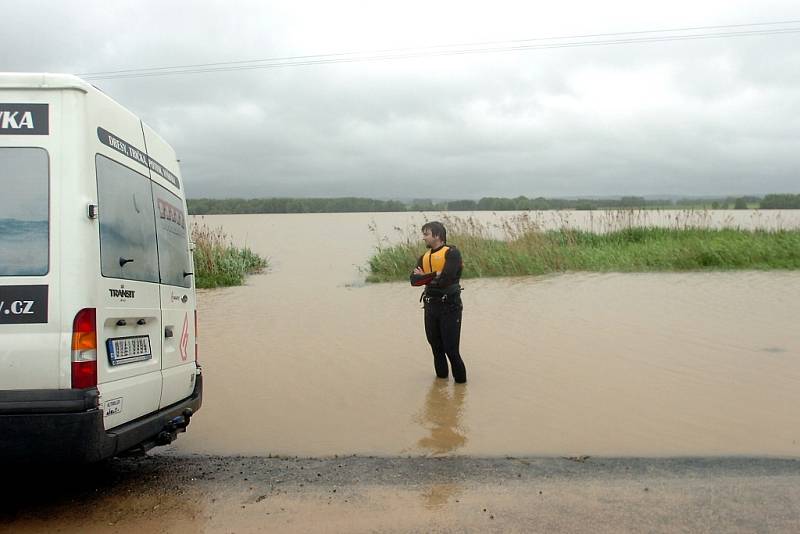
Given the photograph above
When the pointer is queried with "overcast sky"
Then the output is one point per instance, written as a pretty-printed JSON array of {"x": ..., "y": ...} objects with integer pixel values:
[{"x": 689, "y": 117}]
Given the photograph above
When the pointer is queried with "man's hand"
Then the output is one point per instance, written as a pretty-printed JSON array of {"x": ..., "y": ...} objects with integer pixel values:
[{"x": 418, "y": 270}]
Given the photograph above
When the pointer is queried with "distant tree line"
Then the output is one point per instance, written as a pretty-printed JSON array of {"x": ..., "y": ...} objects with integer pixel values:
[
  {"x": 208, "y": 206},
  {"x": 781, "y": 202},
  {"x": 522, "y": 203}
]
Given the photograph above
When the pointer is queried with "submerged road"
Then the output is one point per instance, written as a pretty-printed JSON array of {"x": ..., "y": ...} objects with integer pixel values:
[{"x": 162, "y": 493}]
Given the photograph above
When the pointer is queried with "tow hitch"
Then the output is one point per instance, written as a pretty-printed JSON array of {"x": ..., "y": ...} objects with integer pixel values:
[
  {"x": 176, "y": 425},
  {"x": 167, "y": 435}
]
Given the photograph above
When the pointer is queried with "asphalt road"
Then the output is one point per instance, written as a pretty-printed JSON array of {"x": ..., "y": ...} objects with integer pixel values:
[{"x": 163, "y": 493}]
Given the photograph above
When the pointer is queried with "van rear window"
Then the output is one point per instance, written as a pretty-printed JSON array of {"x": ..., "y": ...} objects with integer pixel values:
[
  {"x": 24, "y": 211},
  {"x": 127, "y": 223},
  {"x": 173, "y": 248}
]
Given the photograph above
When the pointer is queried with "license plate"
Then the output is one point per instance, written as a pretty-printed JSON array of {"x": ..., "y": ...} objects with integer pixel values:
[{"x": 123, "y": 350}]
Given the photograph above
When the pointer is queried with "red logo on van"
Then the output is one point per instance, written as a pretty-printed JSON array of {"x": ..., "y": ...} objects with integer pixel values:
[
  {"x": 171, "y": 213},
  {"x": 185, "y": 338}
]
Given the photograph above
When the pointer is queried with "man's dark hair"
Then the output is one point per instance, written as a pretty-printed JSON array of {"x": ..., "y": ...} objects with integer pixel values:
[{"x": 437, "y": 230}]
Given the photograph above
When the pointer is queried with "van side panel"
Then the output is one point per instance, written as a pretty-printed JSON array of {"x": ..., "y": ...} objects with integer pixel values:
[
  {"x": 29, "y": 350},
  {"x": 128, "y": 301}
]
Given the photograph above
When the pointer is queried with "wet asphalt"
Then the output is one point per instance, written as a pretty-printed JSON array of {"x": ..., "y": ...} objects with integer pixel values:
[{"x": 398, "y": 494}]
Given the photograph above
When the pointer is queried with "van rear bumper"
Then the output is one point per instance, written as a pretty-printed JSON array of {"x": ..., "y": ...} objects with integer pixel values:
[{"x": 67, "y": 425}]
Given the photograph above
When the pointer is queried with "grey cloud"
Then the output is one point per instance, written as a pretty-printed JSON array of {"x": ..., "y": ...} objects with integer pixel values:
[{"x": 724, "y": 121}]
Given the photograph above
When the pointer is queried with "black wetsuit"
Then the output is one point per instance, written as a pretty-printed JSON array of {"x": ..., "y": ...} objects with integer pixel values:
[{"x": 443, "y": 309}]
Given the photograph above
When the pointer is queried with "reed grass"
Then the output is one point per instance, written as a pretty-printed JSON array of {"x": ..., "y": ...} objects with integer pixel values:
[
  {"x": 218, "y": 262},
  {"x": 619, "y": 241}
]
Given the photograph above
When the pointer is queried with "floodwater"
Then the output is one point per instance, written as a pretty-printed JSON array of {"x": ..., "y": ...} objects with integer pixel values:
[{"x": 308, "y": 360}]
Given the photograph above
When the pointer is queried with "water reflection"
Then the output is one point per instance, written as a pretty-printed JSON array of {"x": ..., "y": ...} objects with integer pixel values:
[{"x": 441, "y": 415}]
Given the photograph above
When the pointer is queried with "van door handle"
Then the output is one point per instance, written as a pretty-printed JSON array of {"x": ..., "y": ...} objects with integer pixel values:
[
  {"x": 168, "y": 331},
  {"x": 141, "y": 322},
  {"x": 123, "y": 261}
]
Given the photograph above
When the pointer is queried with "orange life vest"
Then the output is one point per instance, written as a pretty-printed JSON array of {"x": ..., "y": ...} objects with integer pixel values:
[{"x": 434, "y": 262}]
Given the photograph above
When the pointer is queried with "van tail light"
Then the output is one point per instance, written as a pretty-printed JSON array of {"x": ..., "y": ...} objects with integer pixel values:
[
  {"x": 84, "y": 349},
  {"x": 195, "y": 338}
]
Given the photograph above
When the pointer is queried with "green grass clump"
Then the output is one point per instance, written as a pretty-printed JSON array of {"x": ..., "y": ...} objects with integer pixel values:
[
  {"x": 218, "y": 263},
  {"x": 523, "y": 249}
]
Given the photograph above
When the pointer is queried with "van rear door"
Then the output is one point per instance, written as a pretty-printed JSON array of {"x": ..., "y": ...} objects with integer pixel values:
[
  {"x": 178, "y": 366},
  {"x": 29, "y": 322},
  {"x": 177, "y": 298},
  {"x": 129, "y": 321}
]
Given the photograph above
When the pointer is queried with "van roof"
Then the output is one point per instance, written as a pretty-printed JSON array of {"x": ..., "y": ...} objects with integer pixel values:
[
  {"x": 54, "y": 81},
  {"x": 33, "y": 80}
]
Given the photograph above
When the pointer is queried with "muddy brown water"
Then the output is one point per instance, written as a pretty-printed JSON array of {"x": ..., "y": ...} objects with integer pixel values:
[{"x": 308, "y": 360}]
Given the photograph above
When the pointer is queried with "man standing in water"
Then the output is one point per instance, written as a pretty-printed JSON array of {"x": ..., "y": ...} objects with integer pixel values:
[{"x": 439, "y": 270}]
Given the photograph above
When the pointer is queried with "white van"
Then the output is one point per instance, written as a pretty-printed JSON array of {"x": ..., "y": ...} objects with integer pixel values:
[{"x": 97, "y": 297}]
